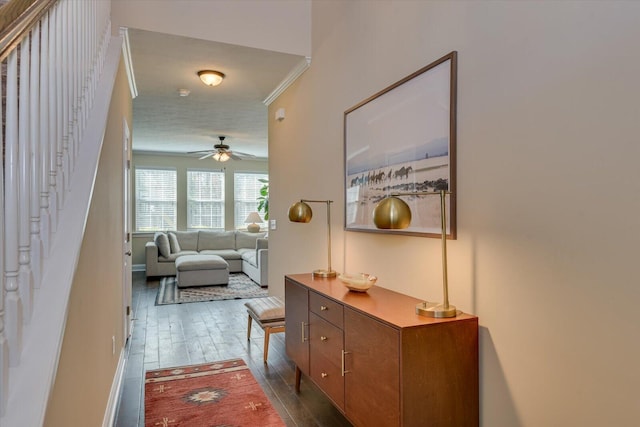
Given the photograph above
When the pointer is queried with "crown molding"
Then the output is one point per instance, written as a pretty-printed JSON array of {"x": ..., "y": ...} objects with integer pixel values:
[
  {"x": 300, "y": 68},
  {"x": 128, "y": 63}
]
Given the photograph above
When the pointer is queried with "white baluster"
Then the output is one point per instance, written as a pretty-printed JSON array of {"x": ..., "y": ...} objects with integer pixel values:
[
  {"x": 4, "y": 345},
  {"x": 45, "y": 225},
  {"x": 78, "y": 77},
  {"x": 60, "y": 178},
  {"x": 13, "y": 303},
  {"x": 73, "y": 68},
  {"x": 52, "y": 134},
  {"x": 86, "y": 65},
  {"x": 66, "y": 71},
  {"x": 25, "y": 276},
  {"x": 35, "y": 244}
]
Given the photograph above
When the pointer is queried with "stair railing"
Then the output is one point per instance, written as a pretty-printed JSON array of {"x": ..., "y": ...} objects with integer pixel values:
[{"x": 52, "y": 56}]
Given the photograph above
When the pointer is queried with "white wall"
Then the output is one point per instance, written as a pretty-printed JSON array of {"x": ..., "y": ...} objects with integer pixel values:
[
  {"x": 548, "y": 188},
  {"x": 278, "y": 25}
]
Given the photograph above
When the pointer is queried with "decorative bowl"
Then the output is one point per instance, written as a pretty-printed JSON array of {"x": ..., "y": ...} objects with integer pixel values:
[{"x": 360, "y": 282}]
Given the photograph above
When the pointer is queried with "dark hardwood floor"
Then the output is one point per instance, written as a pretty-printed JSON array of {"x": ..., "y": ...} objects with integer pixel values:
[{"x": 185, "y": 334}]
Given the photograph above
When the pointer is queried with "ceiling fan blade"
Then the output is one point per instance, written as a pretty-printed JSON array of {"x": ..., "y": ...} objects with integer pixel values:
[
  {"x": 239, "y": 153},
  {"x": 234, "y": 156},
  {"x": 211, "y": 153},
  {"x": 198, "y": 152}
]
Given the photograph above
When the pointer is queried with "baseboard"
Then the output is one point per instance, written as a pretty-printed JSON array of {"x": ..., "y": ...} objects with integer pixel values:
[
  {"x": 138, "y": 267},
  {"x": 112, "y": 404}
]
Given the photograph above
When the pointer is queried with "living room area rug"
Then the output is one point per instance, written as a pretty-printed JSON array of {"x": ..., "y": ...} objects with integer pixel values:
[
  {"x": 213, "y": 394},
  {"x": 240, "y": 286}
]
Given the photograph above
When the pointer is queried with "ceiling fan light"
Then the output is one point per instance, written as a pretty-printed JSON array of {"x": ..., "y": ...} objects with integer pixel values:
[
  {"x": 221, "y": 156},
  {"x": 211, "y": 77}
]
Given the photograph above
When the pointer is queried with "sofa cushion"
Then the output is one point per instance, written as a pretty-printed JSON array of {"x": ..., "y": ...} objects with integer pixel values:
[
  {"x": 162, "y": 241},
  {"x": 250, "y": 257},
  {"x": 173, "y": 257},
  {"x": 216, "y": 240},
  {"x": 245, "y": 251},
  {"x": 173, "y": 243},
  {"x": 188, "y": 240},
  {"x": 247, "y": 240},
  {"x": 224, "y": 253}
]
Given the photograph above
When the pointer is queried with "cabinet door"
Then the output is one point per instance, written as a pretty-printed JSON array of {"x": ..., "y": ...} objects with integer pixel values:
[
  {"x": 297, "y": 324},
  {"x": 372, "y": 381}
]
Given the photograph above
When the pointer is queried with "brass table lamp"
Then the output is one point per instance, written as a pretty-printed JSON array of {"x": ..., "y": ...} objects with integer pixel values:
[
  {"x": 394, "y": 213},
  {"x": 301, "y": 212}
]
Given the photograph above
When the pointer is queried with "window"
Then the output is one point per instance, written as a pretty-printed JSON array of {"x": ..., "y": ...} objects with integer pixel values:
[
  {"x": 155, "y": 199},
  {"x": 205, "y": 199},
  {"x": 246, "y": 193}
]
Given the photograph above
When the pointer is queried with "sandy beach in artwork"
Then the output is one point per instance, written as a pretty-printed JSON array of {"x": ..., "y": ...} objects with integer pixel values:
[{"x": 366, "y": 189}]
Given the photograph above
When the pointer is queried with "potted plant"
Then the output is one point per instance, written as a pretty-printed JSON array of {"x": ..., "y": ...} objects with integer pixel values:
[{"x": 263, "y": 199}]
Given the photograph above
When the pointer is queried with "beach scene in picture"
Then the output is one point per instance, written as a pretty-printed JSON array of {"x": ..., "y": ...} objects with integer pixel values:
[
  {"x": 428, "y": 171},
  {"x": 397, "y": 142}
]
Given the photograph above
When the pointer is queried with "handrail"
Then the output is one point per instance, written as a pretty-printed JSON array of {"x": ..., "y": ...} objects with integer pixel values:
[{"x": 20, "y": 22}]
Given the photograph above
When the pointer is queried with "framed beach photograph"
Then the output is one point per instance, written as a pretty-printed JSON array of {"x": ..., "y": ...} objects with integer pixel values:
[{"x": 403, "y": 140}]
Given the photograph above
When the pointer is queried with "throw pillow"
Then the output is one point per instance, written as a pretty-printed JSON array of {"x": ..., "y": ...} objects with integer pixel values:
[
  {"x": 173, "y": 243},
  {"x": 162, "y": 241}
]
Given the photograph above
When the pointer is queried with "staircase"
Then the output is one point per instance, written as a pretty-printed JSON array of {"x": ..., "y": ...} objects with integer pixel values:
[{"x": 58, "y": 62}]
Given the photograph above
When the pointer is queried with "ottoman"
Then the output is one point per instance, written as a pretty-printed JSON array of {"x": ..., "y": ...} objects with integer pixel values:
[{"x": 201, "y": 270}]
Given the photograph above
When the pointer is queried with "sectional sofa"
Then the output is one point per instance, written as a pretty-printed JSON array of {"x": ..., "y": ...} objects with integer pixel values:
[{"x": 244, "y": 252}]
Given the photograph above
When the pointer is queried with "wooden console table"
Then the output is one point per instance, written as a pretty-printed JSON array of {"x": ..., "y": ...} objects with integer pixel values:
[{"x": 379, "y": 362}]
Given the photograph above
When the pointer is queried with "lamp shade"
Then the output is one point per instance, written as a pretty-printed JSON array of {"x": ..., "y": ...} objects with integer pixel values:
[
  {"x": 252, "y": 218},
  {"x": 392, "y": 213},
  {"x": 211, "y": 77},
  {"x": 300, "y": 212}
]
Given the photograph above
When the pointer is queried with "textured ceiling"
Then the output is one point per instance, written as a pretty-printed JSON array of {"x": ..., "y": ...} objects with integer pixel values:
[{"x": 163, "y": 121}]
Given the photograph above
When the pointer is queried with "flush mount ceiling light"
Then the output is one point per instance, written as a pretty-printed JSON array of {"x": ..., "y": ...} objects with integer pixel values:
[{"x": 211, "y": 77}]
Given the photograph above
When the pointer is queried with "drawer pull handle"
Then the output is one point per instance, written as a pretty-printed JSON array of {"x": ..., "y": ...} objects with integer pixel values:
[
  {"x": 302, "y": 329},
  {"x": 324, "y": 375},
  {"x": 343, "y": 354},
  {"x": 324, "y": 308},
  {"x": 323, "y": 338}
]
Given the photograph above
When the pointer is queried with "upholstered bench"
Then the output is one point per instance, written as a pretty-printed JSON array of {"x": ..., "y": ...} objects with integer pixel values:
[
  {"x": 268, "y": 313},
  {"x": 201, "y": 270}
]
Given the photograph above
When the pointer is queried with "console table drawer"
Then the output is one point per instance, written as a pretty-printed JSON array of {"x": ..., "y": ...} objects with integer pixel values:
[
  {"x": 326, "y": 308},
  {"x": 329, "y": 378},
  {"x": 325, "y": 339}
]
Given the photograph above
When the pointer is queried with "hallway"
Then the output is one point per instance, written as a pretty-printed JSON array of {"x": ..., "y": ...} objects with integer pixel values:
[{"x": 184, "y": 334}]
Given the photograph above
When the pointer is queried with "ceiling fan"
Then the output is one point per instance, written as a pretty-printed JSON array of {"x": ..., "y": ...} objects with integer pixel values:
[{"x": 221, "y": 152}]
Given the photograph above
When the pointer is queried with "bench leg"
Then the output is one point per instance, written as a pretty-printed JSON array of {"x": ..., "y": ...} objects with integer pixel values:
[
  {"x": 249, "y": 327},
  {"x": 267, "y": 333}
]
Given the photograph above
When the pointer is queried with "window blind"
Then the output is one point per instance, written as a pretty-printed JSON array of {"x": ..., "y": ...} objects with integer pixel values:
[
  {"x": 155, "y": 199},
  {"x": 205, "y": 199},
  {"x": 246, "y": 188}
]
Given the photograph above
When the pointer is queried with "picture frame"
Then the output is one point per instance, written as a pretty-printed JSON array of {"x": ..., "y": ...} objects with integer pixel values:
[{"x": 403, "y": 140}]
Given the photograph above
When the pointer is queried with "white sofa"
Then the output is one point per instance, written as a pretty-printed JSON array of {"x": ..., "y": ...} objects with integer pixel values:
[{"x": 244, "y": 252}]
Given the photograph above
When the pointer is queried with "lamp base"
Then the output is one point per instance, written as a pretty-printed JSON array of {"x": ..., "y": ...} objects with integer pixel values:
[
  {"x": 324, "y": 273},
  {"x": 433, "y": 309},
  {"x": 253, "y": 228}
]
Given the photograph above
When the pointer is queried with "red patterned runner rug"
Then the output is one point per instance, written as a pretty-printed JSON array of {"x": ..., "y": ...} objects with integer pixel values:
[{"x": 208, "y": 395}]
